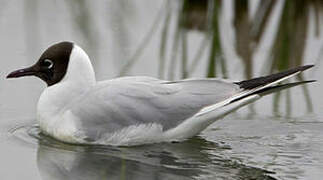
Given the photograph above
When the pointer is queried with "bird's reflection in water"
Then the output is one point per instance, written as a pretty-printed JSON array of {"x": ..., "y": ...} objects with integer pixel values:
[{"x": 195, "y": 158}]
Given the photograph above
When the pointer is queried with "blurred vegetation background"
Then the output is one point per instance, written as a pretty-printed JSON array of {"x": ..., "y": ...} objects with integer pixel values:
[
  {"x": 287, "y": 49},
  {"x": 175, "y": 39}
]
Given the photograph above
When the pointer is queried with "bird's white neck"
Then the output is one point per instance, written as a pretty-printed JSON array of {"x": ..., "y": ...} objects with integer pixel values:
[{"x": 80, "y": 70}]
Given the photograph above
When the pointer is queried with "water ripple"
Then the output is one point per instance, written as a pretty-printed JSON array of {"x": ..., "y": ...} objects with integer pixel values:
[{"x": 196, "y": 158}]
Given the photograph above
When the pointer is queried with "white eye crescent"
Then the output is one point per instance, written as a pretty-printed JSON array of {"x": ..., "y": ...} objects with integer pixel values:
[{"x": 49, "y": 63}]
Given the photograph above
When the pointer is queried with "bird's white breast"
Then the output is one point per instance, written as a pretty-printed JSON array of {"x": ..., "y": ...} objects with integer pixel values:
[{"x": 54, "y": 115}]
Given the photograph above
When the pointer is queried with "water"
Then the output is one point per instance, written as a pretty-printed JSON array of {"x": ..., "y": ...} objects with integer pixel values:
[
  {"x": 195, "y": 158},
  {"x": 279, "y": 137}
]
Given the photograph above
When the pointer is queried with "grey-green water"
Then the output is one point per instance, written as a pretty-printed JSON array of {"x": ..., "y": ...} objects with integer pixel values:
[{"x": 279, "y": 137}]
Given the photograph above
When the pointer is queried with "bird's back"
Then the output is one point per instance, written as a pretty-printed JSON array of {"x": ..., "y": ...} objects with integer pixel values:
[{"x": 116, "y": 104}]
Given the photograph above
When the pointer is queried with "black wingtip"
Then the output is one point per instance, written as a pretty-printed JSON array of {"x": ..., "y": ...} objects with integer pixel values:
[
  {"x": 303, "y": 68},
  {"x": 260, "y": 81},
  {"x": 310, "y": 81}
]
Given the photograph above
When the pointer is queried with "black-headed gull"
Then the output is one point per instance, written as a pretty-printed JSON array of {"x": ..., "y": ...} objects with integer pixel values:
[{"x": 75, "y": 108}]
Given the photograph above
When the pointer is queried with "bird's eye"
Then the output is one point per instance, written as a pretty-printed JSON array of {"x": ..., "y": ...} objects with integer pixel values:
[{"x": 48, "y": 63}]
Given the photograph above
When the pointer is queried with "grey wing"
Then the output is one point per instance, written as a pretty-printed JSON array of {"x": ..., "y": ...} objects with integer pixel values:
[{"x": 123, "y": 102}]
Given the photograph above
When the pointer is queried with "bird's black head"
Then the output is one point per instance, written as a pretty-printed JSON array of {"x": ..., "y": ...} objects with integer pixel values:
[{"x": 51, "y": 66}]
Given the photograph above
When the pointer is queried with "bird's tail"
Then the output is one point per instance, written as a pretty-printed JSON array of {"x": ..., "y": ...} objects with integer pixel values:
[
  {"x": 251, "y": 90},
  {"x": 273, "y": 78},
  {"x": 268, "y": 84},
  {"x": 255, "y": 88}
]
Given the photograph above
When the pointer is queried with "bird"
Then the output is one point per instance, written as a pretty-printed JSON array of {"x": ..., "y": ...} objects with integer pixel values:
[{"x": 134, "y": 110}]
